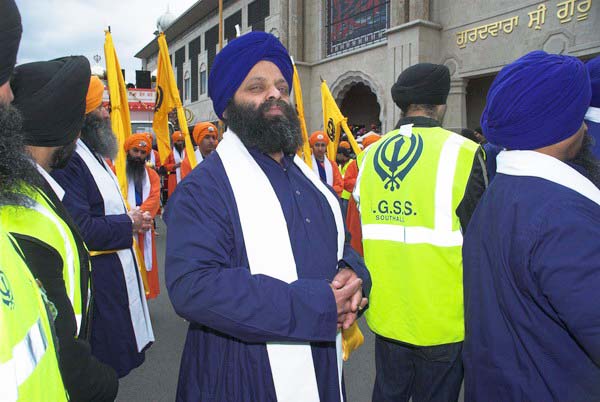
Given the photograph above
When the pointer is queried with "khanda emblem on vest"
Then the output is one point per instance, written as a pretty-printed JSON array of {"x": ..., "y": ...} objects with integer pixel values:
[
  {"x": 5, "y": 292},
  {"x": 395, "y": 157}
]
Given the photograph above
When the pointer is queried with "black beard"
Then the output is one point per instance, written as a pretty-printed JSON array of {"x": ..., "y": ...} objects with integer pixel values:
[
  {"x": 16, "y": 168},
  {"x": 267, "y": 134},
  {"x": 136, "y": 170},
  {"x": 98, "y": 136},
  {"x": 586, "y": 159},
  {"x": 62, "y": 156}
]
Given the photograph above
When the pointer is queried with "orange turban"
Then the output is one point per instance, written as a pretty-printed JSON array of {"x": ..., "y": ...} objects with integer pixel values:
[
  {"x": 370, "y": 139},
  {"x": 177, "y": 136},
  {"x": 344, "y": 144},
  {"x": 203, "y": 129},
  {"x": 318, "y": 136},
  {"x": 140, "y": 141},
  {"x": 94, "y": 94}
]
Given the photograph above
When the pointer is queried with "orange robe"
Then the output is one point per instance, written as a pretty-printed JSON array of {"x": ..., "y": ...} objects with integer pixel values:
[
  {"x": 170, "y": 166},
  {"x": 338, "y": 180},
  {"x": 152, "y": 205},
  {"x": 352, "y": 215}
]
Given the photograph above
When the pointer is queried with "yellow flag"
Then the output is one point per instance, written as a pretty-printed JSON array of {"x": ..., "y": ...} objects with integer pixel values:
[
  {"x": 121, "y": 126},
  {"x": 119, "y": 109},
  {"x": 167, "y": 98},
  {"x": 300, "y": 110},
  {"x": 334, "y": 123}
]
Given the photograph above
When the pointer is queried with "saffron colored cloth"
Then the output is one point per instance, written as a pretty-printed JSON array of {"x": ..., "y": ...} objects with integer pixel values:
[
  {"x": 152, "y": 206},
  {"x": 232, "y": 313}
]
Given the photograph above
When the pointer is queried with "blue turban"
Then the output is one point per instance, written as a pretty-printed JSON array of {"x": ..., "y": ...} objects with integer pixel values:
[
  {"x": 536, "y": 101},
  {"x": 593, "y": 67},
  {"x": 234, "y": 62}
]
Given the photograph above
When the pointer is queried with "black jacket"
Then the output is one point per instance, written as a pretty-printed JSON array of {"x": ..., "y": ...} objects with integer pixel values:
[{"x": 477, "y": 182}]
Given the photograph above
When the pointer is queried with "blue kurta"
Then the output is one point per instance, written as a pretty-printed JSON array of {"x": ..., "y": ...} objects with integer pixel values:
[
  {"x": 112, "y": 338},
  {"x": 233, "y": 313},
  {"x": 532, "y": 294}
]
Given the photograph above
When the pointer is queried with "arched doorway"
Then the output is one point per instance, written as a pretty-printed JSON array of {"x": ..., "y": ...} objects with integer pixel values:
[{"x": 359, "y": 104}]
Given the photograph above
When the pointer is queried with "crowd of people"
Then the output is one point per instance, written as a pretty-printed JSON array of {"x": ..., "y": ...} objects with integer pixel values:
[{"x": 474, "y": 257}]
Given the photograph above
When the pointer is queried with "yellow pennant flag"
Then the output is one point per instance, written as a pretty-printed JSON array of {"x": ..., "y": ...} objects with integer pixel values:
[
  {"x": 334, "y": 123},
  {"x": 300, "y": 110},
  {"x": 167, "y": 98},
  {"x": 121, "y": 126},
  {"x": 119, "y": 109}
]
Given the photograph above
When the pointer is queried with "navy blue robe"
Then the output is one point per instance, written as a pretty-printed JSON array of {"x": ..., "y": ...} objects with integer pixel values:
[
  {"x": 532, "y": 294},
  {"x": 112, "y": 337},
  {"x": 233, "y": 313}
]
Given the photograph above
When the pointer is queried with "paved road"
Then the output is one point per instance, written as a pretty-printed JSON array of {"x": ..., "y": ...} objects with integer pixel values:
[{"x": 156, "y": 379}]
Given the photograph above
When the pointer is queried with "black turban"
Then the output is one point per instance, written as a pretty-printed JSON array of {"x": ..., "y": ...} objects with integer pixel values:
[
  {"x": 422, "y": 84},
  {"x": 51, "y": 98},
  {"x": 10, "y": 35}
]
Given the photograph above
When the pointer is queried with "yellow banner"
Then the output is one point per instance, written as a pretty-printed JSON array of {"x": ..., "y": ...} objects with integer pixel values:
[
  {"x": 119, "y": 109},
  {"x": 167, "y": 98},
  {"x": 121, "y": 126},
  {"x": 305, "y": 152},
  {"x": 334, "y": 123}
]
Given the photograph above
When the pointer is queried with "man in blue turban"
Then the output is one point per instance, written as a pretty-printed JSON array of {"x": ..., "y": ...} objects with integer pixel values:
[
  {"x": 268, "y": 238},
  {"x": 531, "y": 255},
  {"x": 592, "y": 117}
]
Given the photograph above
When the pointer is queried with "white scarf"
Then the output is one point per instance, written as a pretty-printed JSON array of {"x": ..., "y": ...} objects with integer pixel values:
[
  {"x": 328, "y": 169},
  {"x": 536, "y": 164},
  {"x": 199, "y": 157},
  {"x": 114, "y": 204},
  {"x": 178, "y": 159},
  {"x": 270, "y": 253},
  {"x": 132, "y": 204},
  {"x": 152, "y": 160},
  {"x": 593, "y": 114}
]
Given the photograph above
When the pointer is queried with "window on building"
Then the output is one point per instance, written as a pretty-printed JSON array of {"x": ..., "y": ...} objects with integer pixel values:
[
  {"x": 187, "y": 85},
  {"x": 355, "y": 23},
  {"x": 202, "y": 79},
  {"x": 258, "y": 10}
]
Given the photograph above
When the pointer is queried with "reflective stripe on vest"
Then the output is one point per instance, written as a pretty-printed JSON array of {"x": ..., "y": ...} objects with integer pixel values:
[
  {"x": 61, "y": 240},
  {"x": 442, "y": 235},
  {"x": 69, "y": 257},
  {"x": 26, "y": 356}
]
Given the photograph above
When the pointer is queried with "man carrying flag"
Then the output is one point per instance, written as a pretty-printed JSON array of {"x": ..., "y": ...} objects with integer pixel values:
[
  {"x": 173, "y": 162},
  {"x": 144, "y": 192},
  {"x": 167, "y": 99},
  {"x": 205, "y": 137}
]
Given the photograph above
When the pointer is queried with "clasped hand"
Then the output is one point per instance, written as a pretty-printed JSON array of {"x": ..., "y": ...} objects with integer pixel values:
[
  {"x": 347, "y": 290},
  {"x": 142, "y": 220}
]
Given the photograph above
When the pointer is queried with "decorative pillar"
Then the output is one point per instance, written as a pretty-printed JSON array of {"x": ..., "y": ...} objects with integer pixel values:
[{"x": 456, "y": 114}]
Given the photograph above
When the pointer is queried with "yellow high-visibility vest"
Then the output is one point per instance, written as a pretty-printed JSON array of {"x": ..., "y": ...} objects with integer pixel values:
[{"x": 410, "y": 185}]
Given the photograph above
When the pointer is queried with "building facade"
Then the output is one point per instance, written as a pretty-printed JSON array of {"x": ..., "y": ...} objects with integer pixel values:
[{"x": 361, "y": 46}]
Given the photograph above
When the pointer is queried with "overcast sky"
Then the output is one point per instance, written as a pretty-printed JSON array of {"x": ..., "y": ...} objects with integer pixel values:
[{"x": 56, "y": 28}]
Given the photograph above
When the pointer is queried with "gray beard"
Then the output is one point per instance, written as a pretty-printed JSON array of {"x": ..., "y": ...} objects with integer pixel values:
[{"x": 98, "y": 136}]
